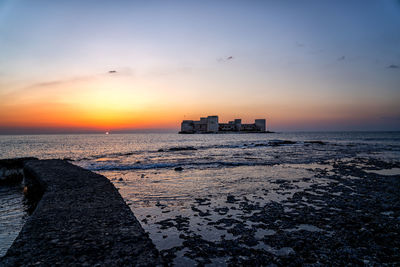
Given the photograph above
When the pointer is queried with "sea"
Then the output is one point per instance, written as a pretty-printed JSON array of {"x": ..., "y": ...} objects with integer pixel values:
[{"x": 165, "y": 176}]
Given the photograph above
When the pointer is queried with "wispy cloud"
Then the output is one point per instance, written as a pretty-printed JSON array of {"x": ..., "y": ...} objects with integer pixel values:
[
  {"x": 61, "y": 81},
  {"x": 225, "y": 59},
  {"x": 393, "y": 66},
  {"x": 121, "y": 71},
  {"x": 51, "y": 84}
]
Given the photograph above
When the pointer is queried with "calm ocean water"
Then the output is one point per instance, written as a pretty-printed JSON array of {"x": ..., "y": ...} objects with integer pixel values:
[
  {"x": 140, "y": 151},
  {"x": 142, "y": 167}
]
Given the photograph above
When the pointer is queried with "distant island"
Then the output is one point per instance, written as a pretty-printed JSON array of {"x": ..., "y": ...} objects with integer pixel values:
[{"x": 210, "y": 124}]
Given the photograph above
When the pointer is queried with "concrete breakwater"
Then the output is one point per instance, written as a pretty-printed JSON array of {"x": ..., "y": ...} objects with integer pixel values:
[{"x": 80, "y": 219}]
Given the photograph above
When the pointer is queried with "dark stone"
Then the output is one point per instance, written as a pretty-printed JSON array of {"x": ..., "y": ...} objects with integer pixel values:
[
  {"x": 315, "y": 142},
  {"x": 281, "y": 142},
  {"x": 17, "y": 163},
  {"x": 203, "y": 201},
  {"x": 230, "y": 199},
  {"x": 178, "y": 169},
  {"x": 11, "y": 170},
  {"x": 184, "y": 148},
  {"x": 261, "y": 145},
  {"x": 12, "y": 178}
]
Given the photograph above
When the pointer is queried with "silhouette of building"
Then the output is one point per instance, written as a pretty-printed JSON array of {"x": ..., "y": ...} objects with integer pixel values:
[{"x": 210, "y": 124}]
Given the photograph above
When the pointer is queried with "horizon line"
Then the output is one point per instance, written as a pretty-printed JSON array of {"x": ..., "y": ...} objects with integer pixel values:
[{"x": 166, "y": 131}]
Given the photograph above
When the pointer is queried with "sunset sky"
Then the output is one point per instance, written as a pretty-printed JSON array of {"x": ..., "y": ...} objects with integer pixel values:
[{"x": 122, "y": 65}]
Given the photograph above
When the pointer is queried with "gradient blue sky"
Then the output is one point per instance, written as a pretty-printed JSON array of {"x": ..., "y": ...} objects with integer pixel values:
[{"x": 304, "y": 65}]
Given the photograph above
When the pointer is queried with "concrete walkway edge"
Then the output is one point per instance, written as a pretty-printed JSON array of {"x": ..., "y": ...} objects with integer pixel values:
[{"x": 81, "y": 219}]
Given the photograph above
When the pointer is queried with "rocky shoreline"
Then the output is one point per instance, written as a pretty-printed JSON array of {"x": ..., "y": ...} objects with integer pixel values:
[
  {"x": 81, "y": 219},
  {"x": 350, "y": 215}
]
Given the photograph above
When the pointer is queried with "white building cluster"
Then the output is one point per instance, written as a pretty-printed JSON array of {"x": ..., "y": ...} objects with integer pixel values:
[{"x": 210, "y": 124}]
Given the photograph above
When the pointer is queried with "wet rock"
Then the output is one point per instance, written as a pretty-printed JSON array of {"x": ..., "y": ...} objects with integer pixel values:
[
  {"x": 258, "y": 145},
  {"x": 11, "y": 170},
  {"x": 16, "y": 163},
  {"x": 200, "y": 212},
  {"x": 162, "y": 206},
  {"x": 203, "y": 201},
  {"x": 10, "y": 177},
  {"x": 222, "y": 211},
  {"x": 185, "y": 148},
  {"x": 180, "y": 223},
  {"x": 231, "y": 199},
  {"x": 315, "y": 142},
  {"x": 281, "y": 142}
]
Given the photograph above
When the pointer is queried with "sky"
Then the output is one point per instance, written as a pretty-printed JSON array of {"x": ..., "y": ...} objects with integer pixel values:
[{"x": 309, "y": 65}]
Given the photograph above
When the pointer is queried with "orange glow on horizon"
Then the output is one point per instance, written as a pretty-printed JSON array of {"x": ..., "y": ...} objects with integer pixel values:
[
  {"x": 59, "y": 116},
  {"x": 104, "y": 103}
]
